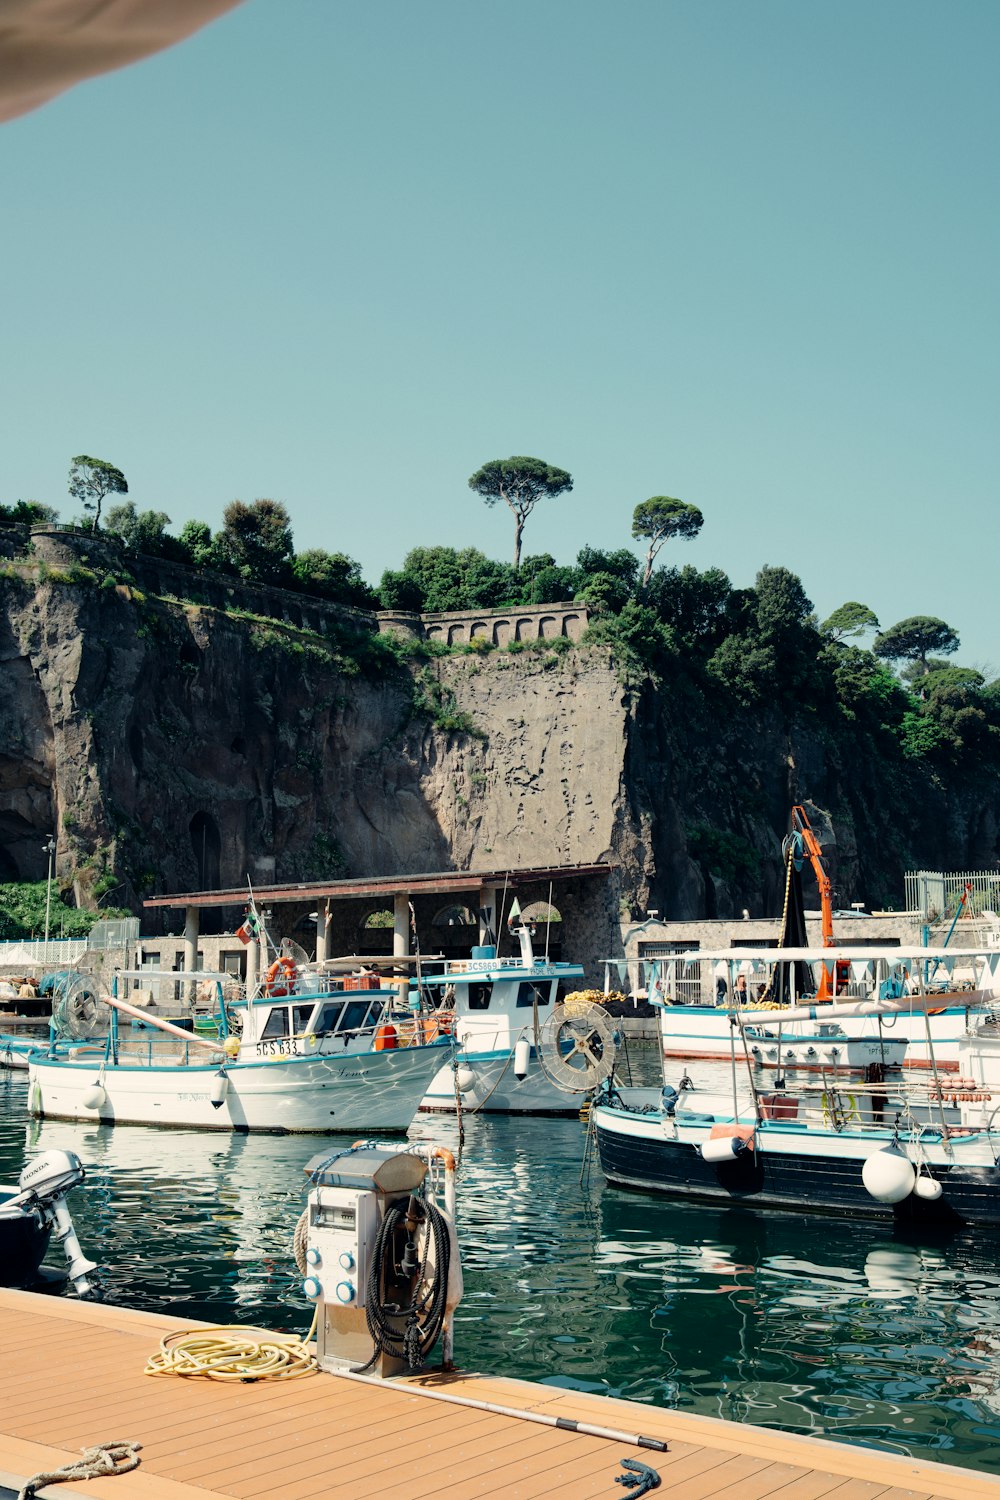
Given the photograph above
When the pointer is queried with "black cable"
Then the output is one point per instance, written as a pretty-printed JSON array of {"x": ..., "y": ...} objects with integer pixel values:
[{"x": 426, "y": 1313}]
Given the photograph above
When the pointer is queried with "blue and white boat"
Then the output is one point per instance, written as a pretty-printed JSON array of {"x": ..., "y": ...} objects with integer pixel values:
[
  {"x": 915, "y": 1146},
  {"x": 826, "y": 1154},
  {"x": 492, "y": 1006},
  {"x": 302, "y": 1058}
]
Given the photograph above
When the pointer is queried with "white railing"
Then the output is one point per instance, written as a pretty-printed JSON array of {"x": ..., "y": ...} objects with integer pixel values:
[
  {"x": 56, "y": 953},
  {"x": 937, "y": 895}
]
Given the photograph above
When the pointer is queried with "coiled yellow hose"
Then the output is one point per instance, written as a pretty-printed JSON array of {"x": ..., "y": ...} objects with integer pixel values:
[{"x": 235, "y": 1354}]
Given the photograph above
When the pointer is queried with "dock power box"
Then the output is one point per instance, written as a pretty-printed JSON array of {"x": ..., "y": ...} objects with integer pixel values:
[{"x": 364, "y": 1273}]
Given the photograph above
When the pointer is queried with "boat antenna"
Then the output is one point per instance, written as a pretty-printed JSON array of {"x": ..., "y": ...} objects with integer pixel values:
[
  {"x": 258, "y": 921},
  {"x": 503, "y": 902},
  {"x": 416, "y": 954},
  {"x": 548, "y": 924}
]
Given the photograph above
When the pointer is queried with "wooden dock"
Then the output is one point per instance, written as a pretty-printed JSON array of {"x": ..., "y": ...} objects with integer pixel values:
[{"x": 71, "y": 1376}]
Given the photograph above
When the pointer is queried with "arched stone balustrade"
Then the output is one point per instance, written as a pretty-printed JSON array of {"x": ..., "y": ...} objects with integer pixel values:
[{"x": 460, "y": 627}]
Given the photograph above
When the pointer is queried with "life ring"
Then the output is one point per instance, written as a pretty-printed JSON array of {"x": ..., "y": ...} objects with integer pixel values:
[
  {"x": 386, "y": 1039},
  {"x": 286, "y": 969},
  {"x": 834, "y": 1111}
]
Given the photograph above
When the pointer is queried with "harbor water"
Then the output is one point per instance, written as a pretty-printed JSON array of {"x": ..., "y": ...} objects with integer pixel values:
[{"x": 808, "y": 1324}]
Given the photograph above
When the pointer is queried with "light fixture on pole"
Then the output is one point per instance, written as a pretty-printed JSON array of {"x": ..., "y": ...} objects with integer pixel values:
[{"x": 50, "y": 849}]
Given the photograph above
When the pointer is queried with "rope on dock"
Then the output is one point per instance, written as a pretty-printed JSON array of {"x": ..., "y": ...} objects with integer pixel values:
[
  {"x": 640, "y": 1481},
  {"x": 99, "y": 1462}
]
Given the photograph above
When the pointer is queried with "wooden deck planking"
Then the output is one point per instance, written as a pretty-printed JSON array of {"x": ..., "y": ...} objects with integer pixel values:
[
  {"x": 354, "y": 1452},
  {"x": 810, "y": 1486},
  {"x": 295, "y": 1426},
  {"x": 432, "y": 1461},
  {"x": 468, "y": 1476},
  {"x": 65, "y": 1365}
]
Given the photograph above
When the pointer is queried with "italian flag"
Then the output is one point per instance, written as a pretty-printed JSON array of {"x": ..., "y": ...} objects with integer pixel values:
[{"x": 249, "y": 930}]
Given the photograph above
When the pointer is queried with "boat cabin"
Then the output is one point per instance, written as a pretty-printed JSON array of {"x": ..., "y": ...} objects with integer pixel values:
[
  {"x": 494, "y": 999},
  {"x": 295, "y": 1024}
]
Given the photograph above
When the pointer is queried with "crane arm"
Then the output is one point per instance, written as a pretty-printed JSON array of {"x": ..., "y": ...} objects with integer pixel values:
[{"x": 802, "y": 831}]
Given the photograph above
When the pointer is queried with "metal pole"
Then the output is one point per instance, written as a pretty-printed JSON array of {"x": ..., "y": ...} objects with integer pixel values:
[{"x": 50, "y": 849}]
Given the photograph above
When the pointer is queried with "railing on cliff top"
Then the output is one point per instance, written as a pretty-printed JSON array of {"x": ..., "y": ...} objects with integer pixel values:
[{"x": 567, "y": 619}]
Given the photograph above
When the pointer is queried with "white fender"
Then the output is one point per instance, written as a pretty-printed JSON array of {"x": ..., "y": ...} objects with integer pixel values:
[
  {"x": 95, "y": 1097},
  {"x": 888, "y": 1175}
]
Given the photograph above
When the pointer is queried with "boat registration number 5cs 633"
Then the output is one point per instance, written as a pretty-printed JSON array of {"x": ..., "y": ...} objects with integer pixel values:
[{"x": 278, "y": 1046}]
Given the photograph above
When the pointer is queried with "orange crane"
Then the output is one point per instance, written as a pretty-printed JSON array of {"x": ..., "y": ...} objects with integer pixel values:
[{"x": 802, "y": 844}]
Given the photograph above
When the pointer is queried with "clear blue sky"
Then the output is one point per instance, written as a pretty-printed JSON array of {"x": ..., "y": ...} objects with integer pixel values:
[{"x": 341, "y": 255}]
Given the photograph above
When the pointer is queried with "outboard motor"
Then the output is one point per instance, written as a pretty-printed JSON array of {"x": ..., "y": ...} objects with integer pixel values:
[
  {"x": 381, "y": 1258},
  {"x": 43, "y": 1186}
]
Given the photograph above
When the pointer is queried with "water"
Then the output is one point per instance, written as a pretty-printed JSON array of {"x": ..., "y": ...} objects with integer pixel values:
[{"x": 808, "y": 1324}]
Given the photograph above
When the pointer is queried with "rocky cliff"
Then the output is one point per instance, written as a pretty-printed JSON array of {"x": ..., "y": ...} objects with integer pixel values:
[{"x": 175, "y": 746}]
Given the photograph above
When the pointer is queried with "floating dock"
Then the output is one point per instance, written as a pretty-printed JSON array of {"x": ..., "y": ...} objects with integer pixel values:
[{"x": 71, "y": 1377}]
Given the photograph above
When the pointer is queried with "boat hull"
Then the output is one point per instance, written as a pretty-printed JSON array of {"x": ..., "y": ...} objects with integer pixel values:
[
  {"x": 497, "y": 1090},
  {"x": 24, "y": 1240},
  {"x": 818, "y": 1171},
  {"x": 282, "y": 1095}
]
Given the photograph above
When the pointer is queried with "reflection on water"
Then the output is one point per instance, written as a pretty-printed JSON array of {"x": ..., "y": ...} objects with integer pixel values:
[{"x": 812, "y": 1325}]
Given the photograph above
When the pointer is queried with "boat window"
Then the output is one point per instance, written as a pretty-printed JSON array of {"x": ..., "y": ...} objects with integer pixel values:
[
  {"x": 328, "y": 1016},
  {"x": 528, "y": 991},
  {"x": 354, "y": 1015},
  {"x": 277, "y": 1022},
  {"x": 479, "y": 996},
  {"x": 300, "y": 1017},
  {"x": 375, "y": 1012}
]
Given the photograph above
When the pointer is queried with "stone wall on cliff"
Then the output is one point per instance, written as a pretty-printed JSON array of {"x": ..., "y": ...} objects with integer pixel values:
[{"x": 182, "y": 746}]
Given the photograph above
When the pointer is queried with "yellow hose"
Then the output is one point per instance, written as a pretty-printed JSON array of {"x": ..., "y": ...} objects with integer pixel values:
[{"x": 233, "y": 1354}]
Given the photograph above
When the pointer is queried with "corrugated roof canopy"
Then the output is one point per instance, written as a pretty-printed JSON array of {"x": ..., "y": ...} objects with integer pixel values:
[{"x": 441, "y": 881}]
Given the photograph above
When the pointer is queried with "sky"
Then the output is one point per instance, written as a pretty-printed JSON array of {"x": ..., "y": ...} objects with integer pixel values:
[{"x": 340, "y": 255}]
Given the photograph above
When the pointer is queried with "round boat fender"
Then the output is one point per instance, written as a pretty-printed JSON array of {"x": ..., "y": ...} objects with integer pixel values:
[{"x": 888, "y": 1175}]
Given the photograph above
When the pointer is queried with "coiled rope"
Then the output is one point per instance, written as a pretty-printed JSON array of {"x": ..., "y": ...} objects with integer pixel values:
[{"x": 101, "y": 1461}]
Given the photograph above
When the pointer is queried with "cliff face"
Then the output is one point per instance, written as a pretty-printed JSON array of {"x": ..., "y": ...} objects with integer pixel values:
[{"x": 176, "y": 747}]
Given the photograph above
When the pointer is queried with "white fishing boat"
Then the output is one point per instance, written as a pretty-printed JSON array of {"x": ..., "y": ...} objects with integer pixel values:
[
  {"x": 302, "y": 1058},
  {"x": 515, "y": 1047},
  {"x": 698, "y": 992}
]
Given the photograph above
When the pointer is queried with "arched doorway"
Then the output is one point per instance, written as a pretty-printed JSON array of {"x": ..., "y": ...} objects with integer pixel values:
[{"x": 455, "y": 931}]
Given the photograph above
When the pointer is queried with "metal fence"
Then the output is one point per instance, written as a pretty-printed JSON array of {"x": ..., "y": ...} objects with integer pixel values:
[
  {"x": 118, "y": 932},
  {"x": 655, "y": 966},
  {"x": 937, "y": 896}
]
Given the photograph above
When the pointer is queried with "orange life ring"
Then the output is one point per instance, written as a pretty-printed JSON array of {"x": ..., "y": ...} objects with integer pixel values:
[
  {"x": 286, "y": 967},
  {"x": 386, "y": 1038}
]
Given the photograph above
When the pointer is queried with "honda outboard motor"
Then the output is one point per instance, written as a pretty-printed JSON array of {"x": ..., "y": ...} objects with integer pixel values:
[{"x": 43, "y": 1186}]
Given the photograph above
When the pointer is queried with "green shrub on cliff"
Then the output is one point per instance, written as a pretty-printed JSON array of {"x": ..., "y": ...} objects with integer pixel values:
[{"x": 22, "y": 913}]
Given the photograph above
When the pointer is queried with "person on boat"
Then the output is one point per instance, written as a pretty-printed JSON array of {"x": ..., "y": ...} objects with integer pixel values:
[
  {"x": 721, "y": 990},
  {"x": 742, "y": 996}
]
